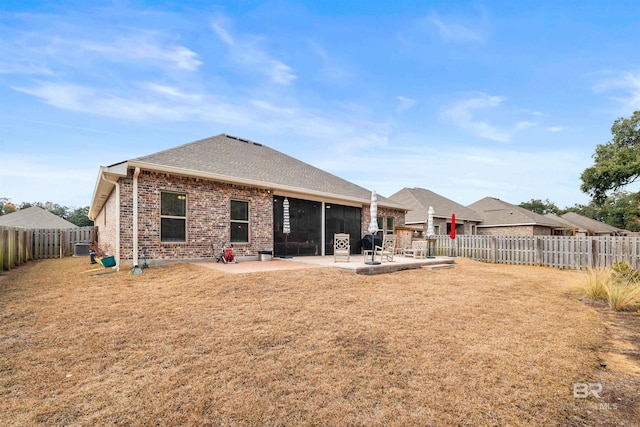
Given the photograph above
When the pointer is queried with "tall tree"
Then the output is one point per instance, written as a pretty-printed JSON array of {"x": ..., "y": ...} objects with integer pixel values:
[
  {"x": 3, "y": 202},
  {"x": 79, "y": 216},
  {"x": 617, "y": 163}
]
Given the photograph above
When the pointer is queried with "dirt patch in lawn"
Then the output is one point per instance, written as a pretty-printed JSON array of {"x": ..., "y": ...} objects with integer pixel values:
[{"x": 478, "y": 344}]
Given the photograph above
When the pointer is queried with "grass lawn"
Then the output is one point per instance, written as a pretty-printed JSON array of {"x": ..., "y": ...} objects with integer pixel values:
[{"x": 478, "y": 344}]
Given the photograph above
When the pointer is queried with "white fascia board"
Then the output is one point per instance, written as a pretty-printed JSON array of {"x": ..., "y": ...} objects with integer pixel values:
[{"x": 103, "y": 188}]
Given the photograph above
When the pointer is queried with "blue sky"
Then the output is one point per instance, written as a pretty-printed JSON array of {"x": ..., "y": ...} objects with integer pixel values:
[{"x": 467, "y": 99}]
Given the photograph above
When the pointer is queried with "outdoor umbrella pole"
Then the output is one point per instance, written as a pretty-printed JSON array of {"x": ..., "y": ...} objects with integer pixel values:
[{"x": 373, "y": 226}]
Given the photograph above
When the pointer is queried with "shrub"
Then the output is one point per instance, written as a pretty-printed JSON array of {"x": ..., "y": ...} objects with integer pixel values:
[{"x": 625, "y": 273}]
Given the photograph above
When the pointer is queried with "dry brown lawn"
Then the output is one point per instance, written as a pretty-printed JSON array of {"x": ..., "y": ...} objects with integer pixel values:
[{"x": 478, "y": 344}]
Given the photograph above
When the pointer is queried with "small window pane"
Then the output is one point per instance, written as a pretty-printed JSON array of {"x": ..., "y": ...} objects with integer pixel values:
[
  {"x": 173, "y": 230},
  {"x": 173, "y": 204},
  {"x": 390, "y": 229},
  {"x": 239, "y": 232},
  {"x": 239, "y": 210}
]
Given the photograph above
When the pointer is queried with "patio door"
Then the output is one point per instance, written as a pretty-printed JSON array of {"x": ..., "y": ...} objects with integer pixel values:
[
  {"x": 305, "y": 217},
  {"x": 342, "y": 219}
]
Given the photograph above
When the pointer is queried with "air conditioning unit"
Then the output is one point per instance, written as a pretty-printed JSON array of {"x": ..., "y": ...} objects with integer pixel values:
[{"x": 81, "y": 249}]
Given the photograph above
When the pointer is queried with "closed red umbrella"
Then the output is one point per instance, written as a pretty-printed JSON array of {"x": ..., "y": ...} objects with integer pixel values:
[{"x": 453, "y": 226}]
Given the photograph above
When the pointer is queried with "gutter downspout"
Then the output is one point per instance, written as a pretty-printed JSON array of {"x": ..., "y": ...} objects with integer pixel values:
[
  {"x": 117, "y": 218},
  {"x": 135, "y": 216}
]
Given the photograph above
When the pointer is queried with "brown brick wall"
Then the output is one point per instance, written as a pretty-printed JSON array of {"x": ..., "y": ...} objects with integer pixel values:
[
  {"x": 398, "y": 216},
  {"x": 524, "y": 230},
  {"x": 208, "y": 217}
]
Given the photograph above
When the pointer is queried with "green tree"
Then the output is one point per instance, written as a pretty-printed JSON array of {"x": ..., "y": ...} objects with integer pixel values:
[
  {"x": 621, "y": 210},
  {"x": 541, "y": 207},
  {"x": 617, "y": 163},
  {"x": 79, "y": 217},
  {"x": 3, "y": 202}
]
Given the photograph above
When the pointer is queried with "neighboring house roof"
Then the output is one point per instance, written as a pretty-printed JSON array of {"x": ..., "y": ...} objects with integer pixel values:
[
  {"x": 419, "y": 200},
  {"x": 497, "y": 213},
  {"x": 593, "y": 226},
  {"x": 567, "y": 224},
  {"x": 34, "y": 217},
  {"x": 235, "y": 160}
]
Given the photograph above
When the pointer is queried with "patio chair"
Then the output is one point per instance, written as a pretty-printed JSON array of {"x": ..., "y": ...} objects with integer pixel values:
[
  {"x": 418, "y": 249},
  {"x": 341, "y": 247},
  {"x": 388, "y": 248}
]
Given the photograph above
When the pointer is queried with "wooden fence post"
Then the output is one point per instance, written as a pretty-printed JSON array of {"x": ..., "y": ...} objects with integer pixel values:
[{"x": 494, "y": 249}]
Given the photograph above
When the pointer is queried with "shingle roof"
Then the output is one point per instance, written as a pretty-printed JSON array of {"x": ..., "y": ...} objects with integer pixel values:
[
  {"x": 564, "y": 221},
  {"x": 34, "y": 217},
  {"x": 495, "y": 212},
  {"x": 241, "y": 159},
  {"x": 595, "y": 227},
  {"x": 419, "y": 200}
]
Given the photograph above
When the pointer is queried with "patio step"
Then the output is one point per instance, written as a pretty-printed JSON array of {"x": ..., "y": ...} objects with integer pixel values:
[{"x": 436, "y": 266}]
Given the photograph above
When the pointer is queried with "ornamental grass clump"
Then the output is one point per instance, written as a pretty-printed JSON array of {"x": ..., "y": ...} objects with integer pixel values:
[
  {"x": 624, "y": 292},
  {"x": 596, "y": 283},
  {"x": 618, "y": 285}
]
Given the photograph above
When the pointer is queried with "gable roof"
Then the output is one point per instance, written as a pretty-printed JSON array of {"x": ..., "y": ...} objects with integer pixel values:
[
  {"x": 497, "y": 213},
  {"x": 593, "y": 226},
  {"x": 34, "y": 217},
  {"x": 231, "y": 159},
  {"x": 568, "y": 224},
  {"x": 419, "y": 200}
]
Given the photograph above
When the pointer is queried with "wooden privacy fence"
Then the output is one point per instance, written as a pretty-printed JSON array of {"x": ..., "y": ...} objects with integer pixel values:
[
  {"x": 19, "y": 245},
  {"x": 571, "y": 252}
]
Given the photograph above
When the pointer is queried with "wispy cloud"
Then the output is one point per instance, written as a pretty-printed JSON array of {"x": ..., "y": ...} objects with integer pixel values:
[
  {"x": 555, "y": 129},
  {"x": 404, "y": 104},
  {"x": 169, "y": 91},
  {"x": 455, "y": 30},
  {"x": 625, "y": 85},
  {"x": 330, "y": 70},
  {"x": 145, "y": 47},
  {"x": 247, "y": 52},
  {"x": 463, "y": 114},
  {"x": 131, "y": 106},
  {"x": 40, "y": 53},
  {"x": 24, "y": 69}
]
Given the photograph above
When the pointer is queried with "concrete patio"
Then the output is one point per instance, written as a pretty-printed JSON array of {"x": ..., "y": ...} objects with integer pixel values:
[{"x": 356, "y": 264}]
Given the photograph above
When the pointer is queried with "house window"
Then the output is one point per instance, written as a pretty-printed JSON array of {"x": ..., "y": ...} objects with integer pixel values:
[
  {"x": 239, "y": 221},
  {"x": 173, "y": 217},
  {"x": 390, "y": 228}
]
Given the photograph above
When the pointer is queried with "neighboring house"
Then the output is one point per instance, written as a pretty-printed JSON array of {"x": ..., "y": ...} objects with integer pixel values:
[
  {"x": 500, "y": 218},
  {"x": 570, "y": 229},
  {"x": 187, "y": 201},
  {"x": 591, "y": 227},
  {"x": 34, "y": 217},
  {"x": 420, "y": 199}
]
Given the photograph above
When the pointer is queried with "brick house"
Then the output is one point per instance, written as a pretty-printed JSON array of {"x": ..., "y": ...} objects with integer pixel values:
[
  {"x": 420, "y": 199},
  {"x": 186, "y": 202},
  {"x": 590, "y": 227},
  {"x": 500, "y": 218}
]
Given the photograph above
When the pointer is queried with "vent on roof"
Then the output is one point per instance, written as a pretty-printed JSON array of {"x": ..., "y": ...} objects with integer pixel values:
[{"x": 244, "y": 140}]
